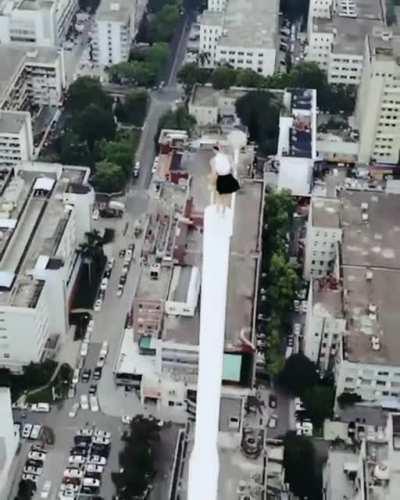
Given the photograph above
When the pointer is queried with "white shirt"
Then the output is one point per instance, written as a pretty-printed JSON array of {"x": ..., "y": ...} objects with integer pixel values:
[{"x": 221, "y": 164}]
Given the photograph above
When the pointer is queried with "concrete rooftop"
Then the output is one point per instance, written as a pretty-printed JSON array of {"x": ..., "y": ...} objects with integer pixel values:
[{"x": 325, "y": 213}]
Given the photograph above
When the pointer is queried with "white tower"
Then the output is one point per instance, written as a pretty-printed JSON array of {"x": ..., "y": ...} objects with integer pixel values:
[{"x": 204, "y": 461}]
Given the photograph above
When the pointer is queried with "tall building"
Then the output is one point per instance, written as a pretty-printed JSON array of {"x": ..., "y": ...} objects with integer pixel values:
[
  {"x": 9, "y": 439},
  {"x": 114, "y": 31},
  {"x": 378, "y": 102},
  {"x": 336, "y": 34},
  {"x": 16, "y": 141},
  {"x": 241, "y": 34},
  {"x": 42, "y": 23},
  {"x": 45, "y": 213}
]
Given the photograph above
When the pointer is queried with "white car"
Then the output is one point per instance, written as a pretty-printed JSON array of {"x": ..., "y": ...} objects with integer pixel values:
[
  {"x": 76, "y": 460},
  {"x": 97, "y": 469},
  {"x": 85, "y": 432},
  {"x": 90, "y": 326},
  {"x": 26, "y": 431},
  {"x": 95, "y": 214},
  {"x": 84, "y": 349},
  {"x": 100, "y": 362},
  {"x": 46, "y": 490},
  {"x": 97, "y": 305},
  {"x": 102, "y": 434},
  {"x": 37, "y": 455},
  {"x": 97, "y": 460},
  {"x": 104, "y": 284},
  {"x": 40, "y": 407},
  {"x": 102, "y": 440},
  {"x": 71, "y": 472},
  {"x": 94, "y": 405},
  {"x": 90, "y": 481},
  {"x": 84, "y": 402},
  {"x": 126, "y": 419},
  {"x": 29, "y": 469},
  {"x": 74, "y": 410},
  {"x": 273, "y": 420},
  {"x": 29, "y": 477},
  {"x": 104, "y": 349},
  {"x": 75, "y": 378},
  {"x": 120, "y": 290}
]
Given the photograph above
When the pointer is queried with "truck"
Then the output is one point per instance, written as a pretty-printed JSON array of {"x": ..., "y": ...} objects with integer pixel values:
[{"x": 116, "y": 207}]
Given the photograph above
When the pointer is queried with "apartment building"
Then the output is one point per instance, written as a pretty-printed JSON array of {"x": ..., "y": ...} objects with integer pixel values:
[
  {"x": 378, "y": 102},
  {"x": 16, "y": 141},
  {"x": 43, "y": 23},
  {"x": 30, "y": 76},
  {"x": 114, "y": 31},
  {"x": 45, "y": 213},
  {"x": 243, "y": 35},
  {"x": 216, "y": 5},
  {"x": 336, "y": 36},
  {"x": 9, "y": 440},
  {"x": 324, "y": 232},
  {"x": 364, "y": 462}
]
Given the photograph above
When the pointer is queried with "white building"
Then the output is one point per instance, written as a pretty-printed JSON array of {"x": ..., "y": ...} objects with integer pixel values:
[
  {"x": 30, "y": 75},
  {"x": 378, "y": 105},
  {"x": 9, "y": 439},
  {"x": 296, "y": 150},
  {"x": 323, "y": 235},
  {"x": 217, "y": 5},
  {"x": 42, "y": 23},
  {"x": 368, "y": 467},
  {"x": 244, "y": 35},
  {"x": 336, "y": 35},
  {"x": 16, "y": 142},
  {"x": 45, "y": 212},
  {"x": 184, "y": 289},
  {"x": 114, "y": 31}
]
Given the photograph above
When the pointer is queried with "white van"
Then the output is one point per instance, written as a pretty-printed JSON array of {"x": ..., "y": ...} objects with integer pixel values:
[
  {"x": 35, "y": 433},
  {"x": 41, "y": 407}
]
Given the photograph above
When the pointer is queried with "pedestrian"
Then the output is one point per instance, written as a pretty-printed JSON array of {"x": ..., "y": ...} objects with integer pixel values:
[{"x": 221, "y": 174}]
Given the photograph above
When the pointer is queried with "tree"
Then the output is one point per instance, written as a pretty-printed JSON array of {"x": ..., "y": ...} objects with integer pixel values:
[
  {"x": 294, "y": 9},
  {"x": 90, "y": 250},
  {"x": 223, "y": 77},
  {"x": 74, "y": 151},
  {"x": 249, "y": 78},
  {"x": 348, "y": 399},
  {"x": 135, "y": 72},
  {"x": 274, "y": 359},
  {"x": 85, "y": 91},
  {"x": 298, "y": 374},
  {"x": 26, "y": 489},
  {"x": 94, "y": 123},
  {"x": 137, "y": 459},
  {"x": 119, "y": 153},
  {"x": 109, "y": 177},
  {"x": 190, "y": 74},
  {"x": 163, "y": 25},
  {"x": 300, "y": 465},
  {"x": 283, "y": 284},
  {"x": 89, "y": 5},
  {"x": 133, "y": 109},
  {"x": 158, "y": 55},
  {"x": 179, "y": 119},
  {"x": 259, "y": 111},
  {"x": 319, "y": 400}
]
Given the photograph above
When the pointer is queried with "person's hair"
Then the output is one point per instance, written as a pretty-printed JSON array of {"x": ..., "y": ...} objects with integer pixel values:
[{"x": 216, "y": 147}]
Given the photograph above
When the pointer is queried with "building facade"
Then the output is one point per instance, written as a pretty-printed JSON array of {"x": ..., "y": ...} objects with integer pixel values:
[
  {"x": 378, "y": 102},
  {"x": 9, "y": 439},
  {"x": 16, "y": 141}
]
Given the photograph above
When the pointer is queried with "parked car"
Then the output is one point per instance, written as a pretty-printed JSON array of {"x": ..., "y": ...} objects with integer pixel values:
[
  {"x": 86, "y": 375},
  {"x": 97, "y": 460},
  {"x": 30, "y": 477},
  {"x": 71, "y": 472},
  {"x": 84, "y": 402},
  {"x": 36, "y": 430},
  {"x": 84, "y": 349},
  {"x": 272, "y": 422},
  {"x": 104, "y": 284},
  {"x": 30, "y": 469},
  {"x": 75, "y": 378},
  {"x": 93, "y": 389},
  {"x": 104, "y": 349},
  {"x": 37, "y": 455},
  {"x": 94, "y": 405},
  {"x": 272, "y": 401},
  {"x": 89, "y": 481},
  {"x": 74, "y": 410},
  {"x": 76, "y": 459},
  {"x": 85, "y": 432},
  {"x": 97, "y": 373},
  {"x": 102, "y": 434},
  {"x": 26, "y": 431},
  {"x": 93, "y": 468},
  {"x": 41, "y": 407},
  {"x": 97, "y": 305},
  {"x": 101, "y": 440}
]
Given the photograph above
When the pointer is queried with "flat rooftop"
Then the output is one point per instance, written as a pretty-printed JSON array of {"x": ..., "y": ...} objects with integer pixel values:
[
  {"x": 327, "y": 300},
  {"x": 153, "y": 289},
  {"x": 11, "y": 122},
  {"x": 325, "y": 212},
  {"x": 115, "y": 11},
  {"x": 375, "y": 241},
  {"x": 182, "y": 330},
  {"x": 251, "y": 24},
  {"x": 372, "y": 310},
  {"x": 207, "y": 96},
  {"x": 351, "y": 31}
]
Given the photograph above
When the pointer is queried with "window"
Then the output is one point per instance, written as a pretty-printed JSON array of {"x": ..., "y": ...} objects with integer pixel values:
[{"x": 171, "y": 403}]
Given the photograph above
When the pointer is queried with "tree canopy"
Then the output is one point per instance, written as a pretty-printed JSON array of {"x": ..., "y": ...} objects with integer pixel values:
[
  {"x": 109, "y": 177},
  {"x": 179, "y": 119},
  {"x": 94, "y": 123},
  {"x": 85, "y": 91},
  {"x": 163, "y": 25},
  {"x": 259, "y": 111},
  {"x": 223, "y": 77},
  {"x": 298, "y": 374},
  {"x": 133, "y": 109}
]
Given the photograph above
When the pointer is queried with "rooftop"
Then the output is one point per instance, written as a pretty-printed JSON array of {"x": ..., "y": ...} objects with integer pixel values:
[
  {"x": 325, "y": 213},
  {"x": 11, "y": 122},
  {"x": 151, "y": 288},
  {"x": 115, "y": 11},
  {"x": 182, "y": 330},
  {"x": 250, "y": 23},
  {"x": 371, "y": 229},
  {"x": 327, "y": 299}
]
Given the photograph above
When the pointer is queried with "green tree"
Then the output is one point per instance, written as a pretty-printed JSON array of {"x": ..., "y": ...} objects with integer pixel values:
[
  {"x": 348, "y": 399},
  {"x": 179, "y": 119},
  {"x": 298, "y": 374},
  {"x": 319, "y": 400},
  {"x": 249, "y": 78},
  {"x": 119, "y": 153},
  {"x": 93, "y": 124},
  {"x": 109, "y": 177},
  {"x": 300, "y": 466},
  {"x": 163, "y": 25},
  {"x": 91, "y": 250},
  {"x": 259, "y": 111},
  {"x": 190, "y": 74},
  {"x": 158, "y": 55},
  {"x": 139, "y": 456},
  {"x": 274, "y": 359},
  {"x": 135, "y": 72},
  {"x": 73, "y": 150},
  {"x": 85, "y": 91},
  {"x": 223, "y": 77},
  {"x": 133, "y": 109}
]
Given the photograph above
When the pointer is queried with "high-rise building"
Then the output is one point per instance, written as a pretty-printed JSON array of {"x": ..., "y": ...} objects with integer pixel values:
[{"x": 378, "y": 102}]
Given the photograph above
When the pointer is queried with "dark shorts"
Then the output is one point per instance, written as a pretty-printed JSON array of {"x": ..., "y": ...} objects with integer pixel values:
[{"x": 227, "y": 184}]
